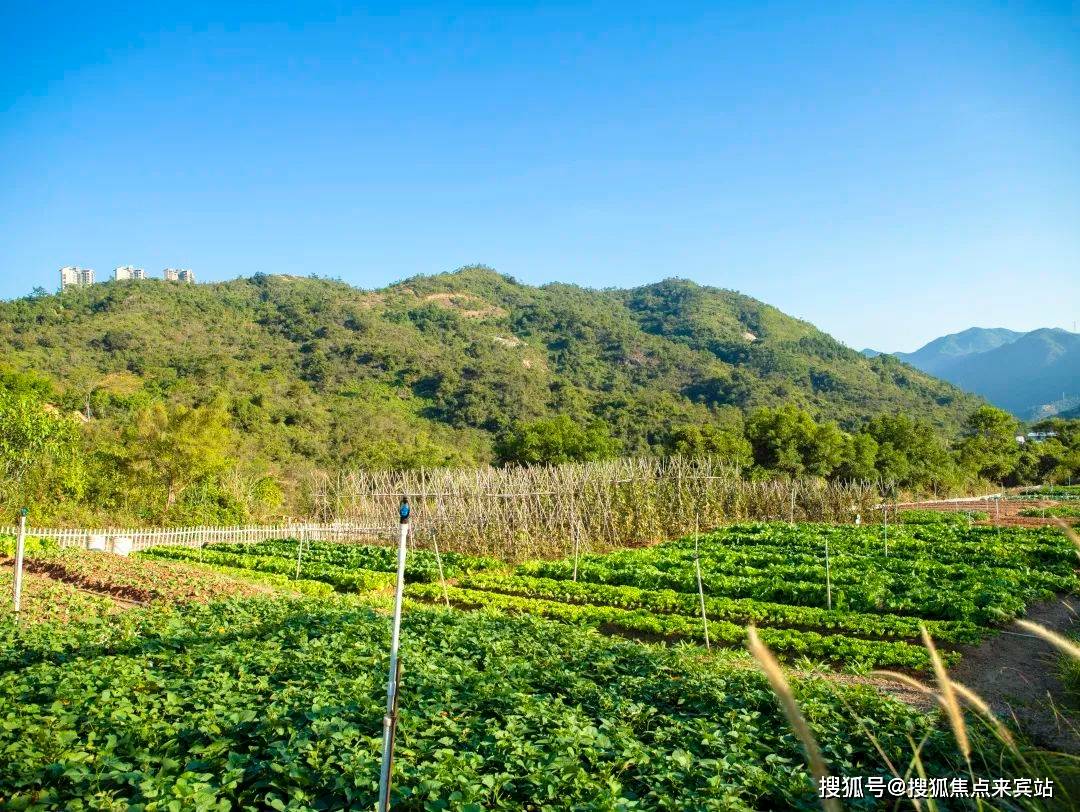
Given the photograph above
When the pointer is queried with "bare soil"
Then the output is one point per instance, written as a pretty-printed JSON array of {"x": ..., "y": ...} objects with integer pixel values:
[
  {"x": 1005, "y": 513},
  {"x": 1017, "y": 674}
]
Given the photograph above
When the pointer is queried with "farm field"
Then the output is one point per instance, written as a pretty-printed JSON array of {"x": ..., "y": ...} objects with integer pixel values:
[{"x": 240, "y": 685}]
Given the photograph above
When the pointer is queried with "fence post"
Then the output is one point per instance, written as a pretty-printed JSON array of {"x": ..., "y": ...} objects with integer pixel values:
[{"x": 20, "y": 549}]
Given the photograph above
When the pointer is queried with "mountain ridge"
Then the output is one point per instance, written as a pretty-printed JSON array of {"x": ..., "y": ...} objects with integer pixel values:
[
  {"x": 432, "y": 369},
  {"x": 1034, "y": 374}
]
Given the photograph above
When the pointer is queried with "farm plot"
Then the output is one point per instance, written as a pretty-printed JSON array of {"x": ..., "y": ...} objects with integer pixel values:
[
  {"x": 269, "y": 703},
  {"x": 863, "y": 608},
  {"x": 344, "y": 567}
]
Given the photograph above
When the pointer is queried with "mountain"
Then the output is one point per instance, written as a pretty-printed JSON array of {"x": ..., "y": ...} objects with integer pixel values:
[
  {"x": 1032, "y": 375},
  {"x": 941, "y": 353},
  {"x": 1029, "y": 377},
  {"x": 431, "y": 370}
]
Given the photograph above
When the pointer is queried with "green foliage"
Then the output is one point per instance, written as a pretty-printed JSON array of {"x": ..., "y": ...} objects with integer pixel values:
[
  {"x": 961, "y": 518},
  {"x": 556, "y": 440},
  {"x": 275, "y": 704},
  {"x": 940, "y": 571},
  {"x": 989, "y": 446},
  {"x": 787, "y": 440},
  {"x": 40, "y": 457}
]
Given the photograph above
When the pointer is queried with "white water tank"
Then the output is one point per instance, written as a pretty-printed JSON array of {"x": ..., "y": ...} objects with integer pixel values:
[
  {"x": 121, "y": 545},
  {"x": 97, "y": 542}
]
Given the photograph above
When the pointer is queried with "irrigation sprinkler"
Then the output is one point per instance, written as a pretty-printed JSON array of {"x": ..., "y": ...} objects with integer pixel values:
[
  {"x": 20, "y": 549},
  {"x": 392, "y": 682}
]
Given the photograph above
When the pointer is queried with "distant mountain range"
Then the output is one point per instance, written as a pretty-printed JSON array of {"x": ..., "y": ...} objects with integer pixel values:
[{"x": 1032, "y": 375}]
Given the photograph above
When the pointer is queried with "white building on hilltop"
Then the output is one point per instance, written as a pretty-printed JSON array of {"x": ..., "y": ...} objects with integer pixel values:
[
  {"x": 75, "y": 277},
  {"x": 179, "y": 275},
  {"x": 128, "y": 272}
]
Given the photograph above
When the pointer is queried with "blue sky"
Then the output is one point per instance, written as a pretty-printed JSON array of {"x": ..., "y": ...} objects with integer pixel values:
[{"x": 888, "y": 171}]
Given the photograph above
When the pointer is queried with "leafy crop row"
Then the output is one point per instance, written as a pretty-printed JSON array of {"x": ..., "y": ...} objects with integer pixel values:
[
  {"x": 787, "y": 642},
  {"x": 276, "y": 704},
  {"x": 956, "y": 517},
  {"x": 338, "y": 577},
  {"x": 737, "y": 610},
  {"x": 421, "y": 565}
]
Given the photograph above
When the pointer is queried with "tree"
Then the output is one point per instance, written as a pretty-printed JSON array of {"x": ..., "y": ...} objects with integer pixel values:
[
  {"x": 711, "y": 439},
  {"x": 173, "y": 448},
  {"x": 556, "y": 440},
  {"x": 787, "y": 440},
  {"x": 910, "y": 454},
  {"x": 989, "y": 448},
  {"x": 40, "y": 456},
  {"x": 858, "y": 458}
]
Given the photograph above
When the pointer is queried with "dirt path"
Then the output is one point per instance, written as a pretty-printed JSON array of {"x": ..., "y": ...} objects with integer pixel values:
[{"x": 1017, "y": 674}]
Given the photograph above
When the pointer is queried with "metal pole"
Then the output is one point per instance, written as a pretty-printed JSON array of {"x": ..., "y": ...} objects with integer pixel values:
[
  {"x": 20, "y": 549},
  {"x": 390, "y": 719},
  {"x": 828, "y": 578},
  {"x": 299, "y": 553},
  {"x": 886, "y": 511},
  {"x": 700, "y": 588}
]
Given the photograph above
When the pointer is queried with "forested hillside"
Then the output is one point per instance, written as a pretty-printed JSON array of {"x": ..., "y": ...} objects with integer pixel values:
[
  {"x": 228, "y": 394},
  {"x": 433, "y": 369}
]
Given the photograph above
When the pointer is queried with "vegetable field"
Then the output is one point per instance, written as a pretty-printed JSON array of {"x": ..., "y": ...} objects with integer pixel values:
[
  {"x": 254, "y": 676},
  {"x": 277, "y": 704}
]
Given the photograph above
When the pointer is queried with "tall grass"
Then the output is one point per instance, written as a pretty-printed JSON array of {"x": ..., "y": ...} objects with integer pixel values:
[{"x": 539, "y": 511}]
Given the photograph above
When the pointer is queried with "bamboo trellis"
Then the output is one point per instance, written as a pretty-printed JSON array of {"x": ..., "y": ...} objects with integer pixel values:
[{"x": 534, "y": 512}]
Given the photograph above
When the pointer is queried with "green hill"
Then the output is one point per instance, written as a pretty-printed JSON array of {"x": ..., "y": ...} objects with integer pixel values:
[{"x": 431, "y": 370}]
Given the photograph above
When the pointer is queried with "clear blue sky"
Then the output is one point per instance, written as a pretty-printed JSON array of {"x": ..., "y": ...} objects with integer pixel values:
[{"x": 889, "y": 171}]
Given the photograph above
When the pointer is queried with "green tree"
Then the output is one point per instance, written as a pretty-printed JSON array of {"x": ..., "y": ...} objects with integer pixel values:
[
  {"x": 556, "y": 440},
  {"x": 858, "y": 458},
  {"x": 788, "y": 440},
  {"x": 40, "y": 459},
  {"x": 989, "y": 448},
  {"x": 711, "y": 439},
  {"x": 172, "y": 448},
  {"x": 910, "y": 453}
]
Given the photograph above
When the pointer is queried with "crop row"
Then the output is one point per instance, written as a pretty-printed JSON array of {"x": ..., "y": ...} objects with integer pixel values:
[
  {"x": 666, "y": 601},
  {"x": 980, "y": 603},
  {"x": 843, "y": 567},
  {"x": 786, "y": 642},
  {"x": 420, "y": 565},
  {"x": 1033, "y": 548},
  {"x": 303, "y": 586},
  {"x": 341, "y": 579},
  {"x": 271, "y": 704}
]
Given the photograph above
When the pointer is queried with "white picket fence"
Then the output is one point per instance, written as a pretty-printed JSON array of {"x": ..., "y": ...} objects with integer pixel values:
[{"x": 141, "y": 538}]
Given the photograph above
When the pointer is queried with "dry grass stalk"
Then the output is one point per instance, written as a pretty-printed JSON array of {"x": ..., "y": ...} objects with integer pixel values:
[
  {"x": 1053, "y": 638},
  {"x": 911, "y": 682},
  {"x": 1070, "y": 534},
  {"x": 780, "y": 687},
  {"x": 980, "y": 705},
  {"x": 948, "y": 696}
]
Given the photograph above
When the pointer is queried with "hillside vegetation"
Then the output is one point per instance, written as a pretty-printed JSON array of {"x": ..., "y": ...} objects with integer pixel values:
[{"x": 205, "y": 403}]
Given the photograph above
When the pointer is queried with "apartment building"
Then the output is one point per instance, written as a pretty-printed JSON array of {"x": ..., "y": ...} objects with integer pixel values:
[
  {"x": 179, "y": 275},
  {"x": 75, "y": 277},
  {"x": 128, "y": 272}
]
